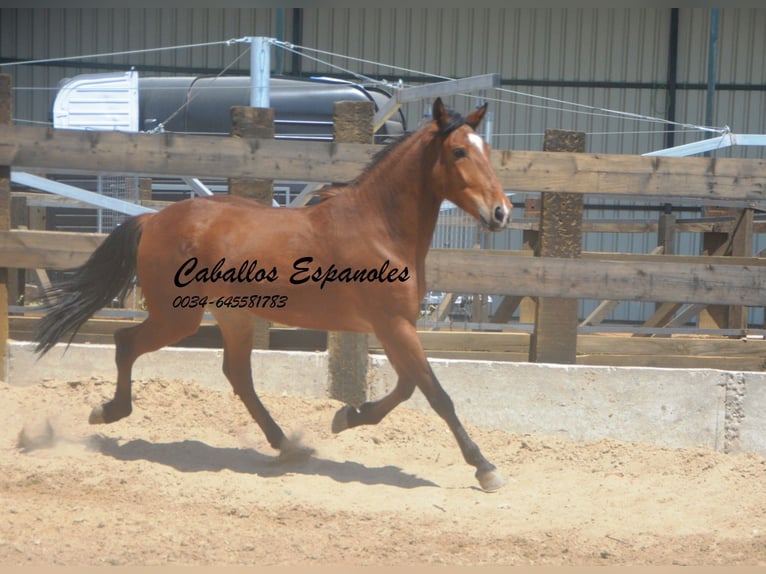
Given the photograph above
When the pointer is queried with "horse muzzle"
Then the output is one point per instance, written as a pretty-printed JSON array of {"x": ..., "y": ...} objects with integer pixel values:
[{"x": 499, "y": 218}]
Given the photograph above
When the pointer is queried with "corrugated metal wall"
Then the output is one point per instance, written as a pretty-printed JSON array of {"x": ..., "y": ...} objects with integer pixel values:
[
  {"x": 610, "y": 58},
  {"x": 576, "y": 55},
  {"x": 615, "y": 59}
]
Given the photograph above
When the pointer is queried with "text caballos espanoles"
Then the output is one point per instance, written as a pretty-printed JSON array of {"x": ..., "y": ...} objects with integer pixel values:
[{"x": 303, "y": 271}]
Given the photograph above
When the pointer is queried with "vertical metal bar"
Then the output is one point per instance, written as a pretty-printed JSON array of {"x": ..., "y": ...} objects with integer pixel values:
[
  {"x": 672, "y": 76},
  {"x": 279, "y": 26},
  {"x": 297, "y": 39},
  {"x": 260, "y": 71},
  {"x": 711, "y": 67},
  {"x": 99, "y": 211},
  {"x": 488, "y": 127}
]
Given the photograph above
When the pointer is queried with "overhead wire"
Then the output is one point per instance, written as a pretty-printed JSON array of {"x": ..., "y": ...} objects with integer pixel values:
[
  {"x": 113, "y": 54},
  {"x": 320, "y": 57}
]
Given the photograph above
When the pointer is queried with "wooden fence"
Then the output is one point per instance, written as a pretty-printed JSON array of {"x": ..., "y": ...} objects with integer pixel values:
[{"x": 720, "y": 280}]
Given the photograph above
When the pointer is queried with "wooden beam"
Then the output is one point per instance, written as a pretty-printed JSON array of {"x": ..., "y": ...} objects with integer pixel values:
[
  {"x": 46, "y": 249},
  {"x": 497, "y": 272},
  {"x": 708, "y": 178},
  {"x": 180, "y": 155},
  {"x": 606, "y": 306},
  {"x": 34, "y": 147},
  {"x": 63, "y": 250},
  {"x": 685, "y": 279}
]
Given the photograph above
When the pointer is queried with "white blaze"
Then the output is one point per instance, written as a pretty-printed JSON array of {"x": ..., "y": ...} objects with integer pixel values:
[{"x": 476, "y": 142}]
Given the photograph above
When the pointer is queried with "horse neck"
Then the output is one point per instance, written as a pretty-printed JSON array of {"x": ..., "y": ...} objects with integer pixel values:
[{"x": 401, "y": 189}]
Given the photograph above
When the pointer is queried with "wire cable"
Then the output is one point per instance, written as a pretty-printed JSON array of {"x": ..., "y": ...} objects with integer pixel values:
[{"x": 111, "y": 54}]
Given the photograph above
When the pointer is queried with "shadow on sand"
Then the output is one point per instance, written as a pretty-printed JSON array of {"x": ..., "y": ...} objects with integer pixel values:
[{"x": 196, "y": 456}]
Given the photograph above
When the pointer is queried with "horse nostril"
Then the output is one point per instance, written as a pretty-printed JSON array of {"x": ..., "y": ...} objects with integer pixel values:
[{"x": 499, "y": 214}]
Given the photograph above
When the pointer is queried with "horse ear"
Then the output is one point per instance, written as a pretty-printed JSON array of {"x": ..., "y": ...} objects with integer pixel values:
[
  {"x": 474, "y": 118},
  {"x": 440, "y": 113}
]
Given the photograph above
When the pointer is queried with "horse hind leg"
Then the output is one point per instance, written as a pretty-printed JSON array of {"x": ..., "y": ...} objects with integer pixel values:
[
  {"x": 155, "y": 332},
  {"x": 237, "y": 328},
  {"x": 372, "y": 412}
]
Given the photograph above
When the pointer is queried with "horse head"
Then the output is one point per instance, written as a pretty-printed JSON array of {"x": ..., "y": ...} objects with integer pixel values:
[{"x": 464, "y": 169}]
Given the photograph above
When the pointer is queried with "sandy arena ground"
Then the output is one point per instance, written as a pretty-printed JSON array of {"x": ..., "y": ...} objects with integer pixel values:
[{"x": 189, "y": 479}]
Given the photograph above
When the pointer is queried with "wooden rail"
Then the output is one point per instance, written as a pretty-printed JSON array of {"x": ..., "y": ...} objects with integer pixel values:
[
  {"x": 680, "y": 279},
  {"x": 39, "y": 148}
]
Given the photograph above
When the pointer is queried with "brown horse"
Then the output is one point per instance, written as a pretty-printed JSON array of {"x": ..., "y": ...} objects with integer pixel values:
[{"x": 354, "y": 262}]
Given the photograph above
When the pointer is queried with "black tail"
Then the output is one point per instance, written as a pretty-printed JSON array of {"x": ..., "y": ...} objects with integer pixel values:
[{"x": 107, "y": 274}]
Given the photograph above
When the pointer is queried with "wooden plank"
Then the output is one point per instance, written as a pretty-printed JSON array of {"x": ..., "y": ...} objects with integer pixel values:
[
  {"x": 604, "y": 308},
  {"x": 46, "y": 249},
  {"x": 506, "y": 308},
  {"x": 554, "y": 339},
  {"x": 181, "y": 155},
  {"x": 613, "y": 350},
  {"x": 496, "y": 272},
  {"x": 710, "y": 178},
  {"x": 469, "y": 341},
  {"x": 726, "y": 280},
  {"x": 34, "y": 147},
  {"x": 691, "y": 346}
]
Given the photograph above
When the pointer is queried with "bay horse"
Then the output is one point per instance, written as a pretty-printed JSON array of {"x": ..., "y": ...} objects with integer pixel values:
[{"x": 354, "y": 261}]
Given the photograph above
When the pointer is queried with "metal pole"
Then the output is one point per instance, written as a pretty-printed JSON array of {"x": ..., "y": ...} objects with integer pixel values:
[
  {"x": 489, "y": 127},
  {"x": 260, "y": 71},
  {"x": 670, "y": 136},
  {"x": 280, "y": 27},
  {"x": 711, "y": 66}
]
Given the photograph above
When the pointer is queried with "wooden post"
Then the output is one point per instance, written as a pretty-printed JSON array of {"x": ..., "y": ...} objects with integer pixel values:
[
  {"x": 247, "y": 122},
  {"x": 17, "y": 278},
  {"x": 738, "y": 242},
  {"x": 348, "y": 354},
  {"x": 666, "y": 231},
  {"x": 144, "y": 189},
  {"x": 554, "y": 339},
  {"x": 530, "y": 242},
  {"x": 6, "y": 114},
  {"x": 666, "y": 239}
]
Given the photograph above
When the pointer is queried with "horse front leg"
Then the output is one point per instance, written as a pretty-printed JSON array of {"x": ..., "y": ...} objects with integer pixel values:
[
  {"x": 404, "y": 350},
  {"x": 487, "y": 474}
]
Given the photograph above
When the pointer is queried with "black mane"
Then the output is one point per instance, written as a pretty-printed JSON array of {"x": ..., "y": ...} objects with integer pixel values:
[{"x": 455, "y": 121}]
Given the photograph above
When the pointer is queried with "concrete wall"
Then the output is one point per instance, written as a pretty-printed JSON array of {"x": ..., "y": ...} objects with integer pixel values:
[{"x": 722, "y": 410}]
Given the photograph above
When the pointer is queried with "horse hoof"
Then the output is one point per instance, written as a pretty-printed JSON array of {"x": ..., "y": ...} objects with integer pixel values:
[
  {"x": 340, "y": 420},
  {"x": 491, "y": 480},
  {"x": 97, "y": 416},
  {"x": 293, "y": 449}
]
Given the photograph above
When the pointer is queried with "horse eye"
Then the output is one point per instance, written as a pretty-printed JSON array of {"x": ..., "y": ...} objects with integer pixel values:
[{"x": 459, "y": 153}]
